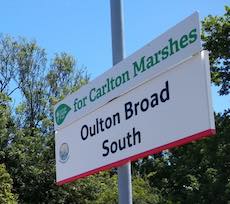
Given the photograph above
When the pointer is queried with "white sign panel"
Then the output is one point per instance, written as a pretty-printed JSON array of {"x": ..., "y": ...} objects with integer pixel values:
[
  {"x": 171, "y": 109},
  {"x": 175, "y": 45}
]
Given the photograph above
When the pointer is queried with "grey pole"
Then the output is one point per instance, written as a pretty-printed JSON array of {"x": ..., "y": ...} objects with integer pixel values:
[{"x": 124, "y": 172}]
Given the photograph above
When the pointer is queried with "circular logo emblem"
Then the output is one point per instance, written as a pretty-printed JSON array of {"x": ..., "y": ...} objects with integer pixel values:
[{"x": 64, "y": 152}]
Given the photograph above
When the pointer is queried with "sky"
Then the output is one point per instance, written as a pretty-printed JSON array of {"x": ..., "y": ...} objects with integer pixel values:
[{"x": 83, "y": 29}]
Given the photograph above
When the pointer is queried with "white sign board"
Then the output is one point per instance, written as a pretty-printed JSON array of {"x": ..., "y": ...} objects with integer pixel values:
[
  {"x": 170, "y": 109},
  {"x": 175, "y": 45}
]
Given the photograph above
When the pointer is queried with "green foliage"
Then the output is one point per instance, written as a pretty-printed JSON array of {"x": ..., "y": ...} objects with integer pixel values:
[
  {"x": 215, "y": 33},
  {"x": 8, "y": 50},
  {"x": 6, "y": 182},
  {"x": 107, "y": 191},
  {"x": 6, "y": 195},
  {"x": 31, "y": 64},
  {"x": 144, "y": 194},
  {"x": 27, "y": 135},
  {"x": 61, "y": 77},
  {"x": 4, "y": 123}
]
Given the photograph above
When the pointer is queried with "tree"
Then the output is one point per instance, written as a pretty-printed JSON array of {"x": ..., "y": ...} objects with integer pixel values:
[
  {"x": 4, "y": 119},
  {"x": 31, "y": 65},
  {"x": 63, "y": 77},
  {"x": 6, "y": 195},
  {"x": 6, "y": 182},
  {"x": 8, "y": 50},
  {"x": 215, "y": 34},
  {"x": 27, "y": 135}
]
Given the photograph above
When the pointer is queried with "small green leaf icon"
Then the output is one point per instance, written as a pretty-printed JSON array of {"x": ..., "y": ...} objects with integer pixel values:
[{"x": 61, "y": 113}]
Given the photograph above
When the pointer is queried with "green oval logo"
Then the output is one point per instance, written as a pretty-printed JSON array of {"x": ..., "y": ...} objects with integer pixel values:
[{"x": 61, "y": 113}]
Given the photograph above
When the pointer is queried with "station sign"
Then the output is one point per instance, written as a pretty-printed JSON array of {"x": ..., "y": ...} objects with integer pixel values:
[
  {"x": 175, "y": 45},
  {"x": 168, "y": 110},
  {"x": 153, "y": 100}
]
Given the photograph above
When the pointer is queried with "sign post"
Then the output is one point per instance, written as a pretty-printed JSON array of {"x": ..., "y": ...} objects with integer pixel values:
[
  {"x": 124, "y": 172},
  {"x": 156, "y": 99}
]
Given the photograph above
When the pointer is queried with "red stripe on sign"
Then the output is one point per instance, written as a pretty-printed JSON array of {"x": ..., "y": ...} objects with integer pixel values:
[{"x": 177, "y": 143}]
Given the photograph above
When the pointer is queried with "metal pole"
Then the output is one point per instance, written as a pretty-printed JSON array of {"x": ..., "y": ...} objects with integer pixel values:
[{"x": 124, "y": 172}]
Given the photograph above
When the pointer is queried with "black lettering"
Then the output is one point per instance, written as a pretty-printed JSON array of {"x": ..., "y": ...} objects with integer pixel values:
[
  {"x": 101, "y": 124},
  {"x": 136, "y": 105},
  {"x": 136, "y": 134},
  {"x": 144, "y": 104},
  {"x": 108, "y": 123},
  {"x": 121, "y": 147},
  {"x": 106, "y": 148},
  {"x": 154, "y": 101},
  {"x": 128, "y": 110},
  {"x": 116, "y": 118},
  {"x": 92, "y": 130},
  {"x": 113, "y": 144},
  {"x": 164, "y": 95},
  {"x": 84, "y": 136},
  {"x": 128, "y": 139}
]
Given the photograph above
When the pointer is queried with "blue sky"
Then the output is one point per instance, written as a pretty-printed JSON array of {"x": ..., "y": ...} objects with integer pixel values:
[{"x": 82, "y": 28}]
